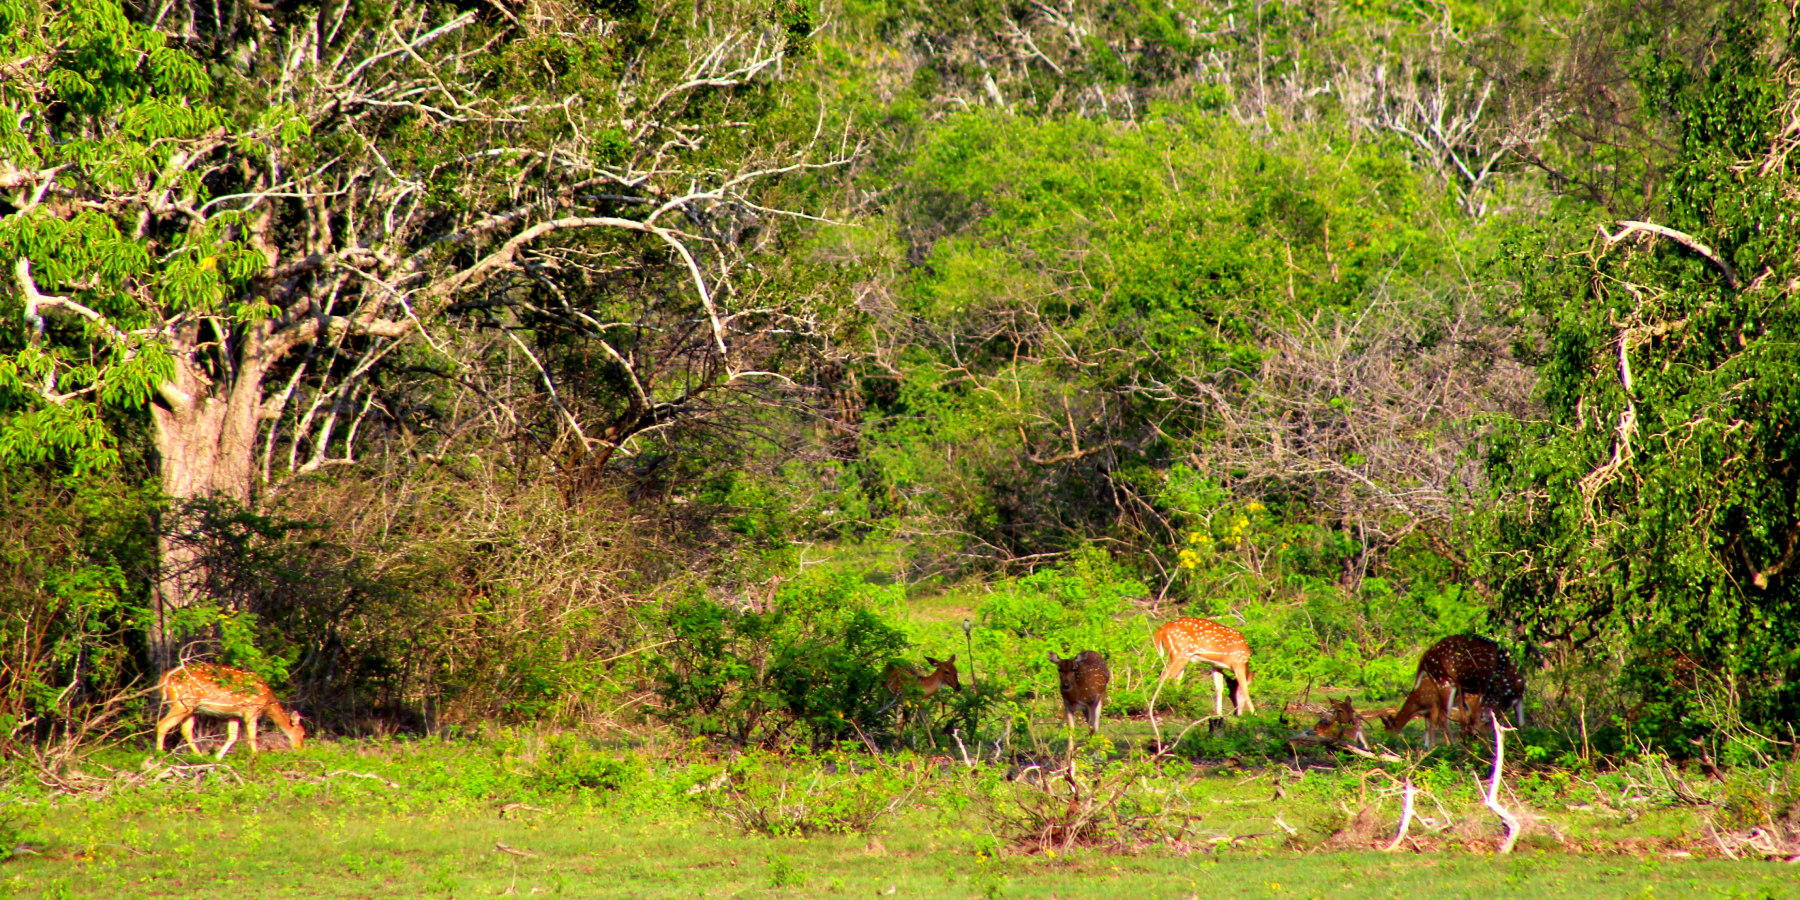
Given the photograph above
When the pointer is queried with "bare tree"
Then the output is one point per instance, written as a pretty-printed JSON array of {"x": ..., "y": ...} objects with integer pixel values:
[{"x": 368, "y": 179}]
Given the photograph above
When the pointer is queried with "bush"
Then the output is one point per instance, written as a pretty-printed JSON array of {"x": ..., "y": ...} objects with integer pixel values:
[
  {"x": 1073, "y": 607},
  {"x": 568, "y": 764},
  {"x": 811, "y": 666},
  {"x": 68, "y": 546}
]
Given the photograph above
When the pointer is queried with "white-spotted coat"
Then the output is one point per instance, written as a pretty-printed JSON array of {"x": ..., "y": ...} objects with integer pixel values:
[{"x": 1188, "y": 639}]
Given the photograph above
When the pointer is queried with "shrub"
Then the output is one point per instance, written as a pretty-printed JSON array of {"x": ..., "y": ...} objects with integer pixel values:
[
  {"x": 810, "y": 666},
  {"x": 1112, "y": 806},
  {"x": 568, "y": 764}
]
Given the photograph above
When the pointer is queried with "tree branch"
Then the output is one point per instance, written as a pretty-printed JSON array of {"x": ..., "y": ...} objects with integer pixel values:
[
  {"x": 1685, "y": 240},
  {"x": 487, "y": 266}
]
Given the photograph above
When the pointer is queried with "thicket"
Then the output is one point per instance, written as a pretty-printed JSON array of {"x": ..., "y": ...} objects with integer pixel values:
[
  {"x": 1650, "y": 514},
  {"x": 603, "y": 363}
]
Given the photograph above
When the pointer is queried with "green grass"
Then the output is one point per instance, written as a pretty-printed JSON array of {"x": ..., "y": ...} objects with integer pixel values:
[
  {"x": 507, "y": 816},
  {"x": 313, "y": 849}
]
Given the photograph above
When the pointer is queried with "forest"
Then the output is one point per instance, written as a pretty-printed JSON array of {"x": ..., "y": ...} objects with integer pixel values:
[{"x": 579, "y": 411}]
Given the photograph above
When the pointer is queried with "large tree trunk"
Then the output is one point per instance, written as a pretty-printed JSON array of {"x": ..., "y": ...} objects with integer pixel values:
[{"x": 205, "y": 441}]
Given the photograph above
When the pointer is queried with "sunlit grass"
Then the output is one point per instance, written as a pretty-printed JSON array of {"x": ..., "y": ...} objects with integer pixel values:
[
  {"x": 473, "y": 819},
  {"x": 310, "y": 850}
]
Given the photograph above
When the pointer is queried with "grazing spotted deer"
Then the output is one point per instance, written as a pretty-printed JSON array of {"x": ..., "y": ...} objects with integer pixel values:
[
  {"x": 1428, "y": 701},
  {"x": 903, "y": 681},
  {"x": 207, "y": 689},
  {"x": 1188, "y": 639},
  {"x": 1082, "y": 681},
  {"x": 1479, "y": 670}
]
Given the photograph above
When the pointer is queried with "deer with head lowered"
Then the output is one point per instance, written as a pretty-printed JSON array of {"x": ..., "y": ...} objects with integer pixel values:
[
  {"x": 1428, "y": 701},
  {"x": 1082, "y": 681},
  {"x": 1475, "y": 670},
  {"x": 1188, "y": 639},
  {"x": 195, "y": 689},
  {"x": 903, "y": 681}
]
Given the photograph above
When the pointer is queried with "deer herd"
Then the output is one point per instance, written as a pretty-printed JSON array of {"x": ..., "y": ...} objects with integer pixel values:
[{"x": 1459, "y": 679}]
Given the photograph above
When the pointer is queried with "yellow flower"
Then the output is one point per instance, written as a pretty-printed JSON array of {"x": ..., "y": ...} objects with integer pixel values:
[
  {"x": 1255, "y": 507},
  {"x": 209, "y": 263}
]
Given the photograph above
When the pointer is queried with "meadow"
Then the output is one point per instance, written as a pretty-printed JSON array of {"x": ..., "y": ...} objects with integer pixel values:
[
  {"x": 995, "y": 797},
  {"x": 521, "y": 813}
]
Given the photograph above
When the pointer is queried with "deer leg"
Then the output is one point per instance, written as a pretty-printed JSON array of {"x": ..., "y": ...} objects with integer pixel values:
[
  {"x": 250, "y": 726},
  {"x": 231, "y": 736},
  {"x": 1172, "y": 670},
  {"x": 1449, "y": 707},
  {"x": 168, "y": 723},
  {"x": 1094, "y": 716},
  {"x": 1431, "y": 721},
  {"x": 1218, "y": 693},
  {"x": 187, "y": 733},
  {"x": 1242, "y": 696}
]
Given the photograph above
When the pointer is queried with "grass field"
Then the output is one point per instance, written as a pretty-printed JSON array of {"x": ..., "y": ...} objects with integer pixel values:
[
  {"x": 313, "y": 850},
  {"x": 530, "y": 814}
]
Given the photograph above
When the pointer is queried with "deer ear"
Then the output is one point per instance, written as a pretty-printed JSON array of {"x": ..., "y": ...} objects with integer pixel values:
[
  {"x": 952, "y": 659},
  {"x": 930, "y": 662},
  {"x": 1053, "y": 657}
]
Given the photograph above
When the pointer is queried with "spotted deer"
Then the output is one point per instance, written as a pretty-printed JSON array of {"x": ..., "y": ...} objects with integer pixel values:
[
  {"x": 1188, "y": 639},
  {"x": 1082, "y": 681},
  {"x": 1344, "y": 725},
  {"x": 1478, "y": 670},
  {"x": 195, "y": 689},
  {"x": 1428, "y": 701},
  {"x": 903, "y": 682}
]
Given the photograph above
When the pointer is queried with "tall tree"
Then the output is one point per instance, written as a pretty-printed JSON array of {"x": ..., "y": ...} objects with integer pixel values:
[
  {"x": 233, "y": 221},
  {"x": 1654, "y": 515}
]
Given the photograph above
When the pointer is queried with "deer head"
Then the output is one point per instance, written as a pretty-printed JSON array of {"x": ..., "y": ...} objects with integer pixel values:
[{"x": 943, "y": 672}]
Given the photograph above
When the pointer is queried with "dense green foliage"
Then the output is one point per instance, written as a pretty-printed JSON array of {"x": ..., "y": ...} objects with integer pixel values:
[
  {"x": 74, "y": 550},
  {"x": 1652, "y": 513},
  {"x": 809, "y": 661},
  {"x": 1086, "y": 288}
]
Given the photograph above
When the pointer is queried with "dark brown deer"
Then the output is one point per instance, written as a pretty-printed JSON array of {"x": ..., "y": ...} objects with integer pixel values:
[
  {"x": 207, "y": 689},
  {"x": 1083, "y": 681},
  {"x": 1477, "y": 669}
]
